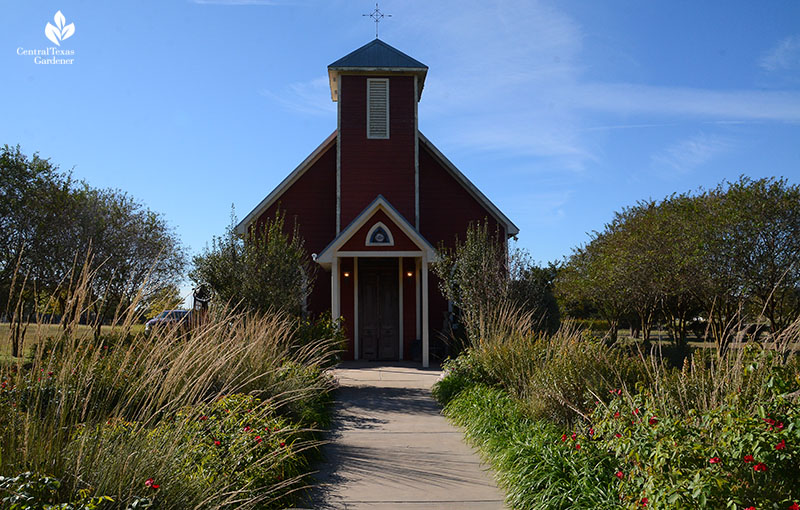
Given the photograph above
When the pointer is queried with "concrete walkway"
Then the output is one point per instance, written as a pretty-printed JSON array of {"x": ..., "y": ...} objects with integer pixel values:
[{"x": 391, "y": 447}]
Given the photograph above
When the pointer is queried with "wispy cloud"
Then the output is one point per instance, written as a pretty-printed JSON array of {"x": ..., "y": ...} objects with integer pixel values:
[
  {"x": 785, "y": 55},
  {"x": 626, "y": 99},
  {"x": 312, "y": 97},
  {"x": 241, "y": 2},
  {"x": 686, "y": 155}
]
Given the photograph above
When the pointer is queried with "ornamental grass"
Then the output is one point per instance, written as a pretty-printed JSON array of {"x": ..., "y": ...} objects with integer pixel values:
[{"x": 176, "y": 418}]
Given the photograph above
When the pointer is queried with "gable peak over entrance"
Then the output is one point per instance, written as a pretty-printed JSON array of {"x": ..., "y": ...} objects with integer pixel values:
[{"x": 379, "y": 58}]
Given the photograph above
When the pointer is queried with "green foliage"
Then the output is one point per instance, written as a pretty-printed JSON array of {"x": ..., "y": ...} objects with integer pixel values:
[
  {"x": 535, "y": 467},
  {"x": 460, "y": 373},
  {"x": 734, "y": 455},
  {"x": 29, "y": 491},
  {"x": 266, "y": 270},
  {"x": 730, "y": 255}
]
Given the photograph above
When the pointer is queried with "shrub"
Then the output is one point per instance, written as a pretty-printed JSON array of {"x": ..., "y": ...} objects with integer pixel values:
[
  {"x": 538, "y": 467},
  {"x": 735, "y": 454}
]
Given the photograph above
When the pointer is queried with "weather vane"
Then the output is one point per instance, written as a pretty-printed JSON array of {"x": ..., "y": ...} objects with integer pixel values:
[{"x": 377, "y": 15}]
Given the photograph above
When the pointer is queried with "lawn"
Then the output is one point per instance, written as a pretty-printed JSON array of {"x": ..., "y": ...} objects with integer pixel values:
[{"x": 45, "y": 331}]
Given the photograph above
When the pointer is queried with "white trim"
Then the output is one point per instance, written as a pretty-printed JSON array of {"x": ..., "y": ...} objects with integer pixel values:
[
  {"x": 290, "y": 179},
  {"x": 355, "y": 308},
  {"x": 416, "y": 155},
  {"x": 335, "y": 304},
  {"x": 425, "y": 334},
  {"x": 400, "y": 316},
  {"x": 338, "y": 163},
  {"x": 417, "y": 290},
  {"x": 511, "y": 229},
  {"x": 369, "y": 124},
  {"x": 365, "y": 253},
  {"x": 372, "y": 230},
  {"x": 380, "y": 203}
]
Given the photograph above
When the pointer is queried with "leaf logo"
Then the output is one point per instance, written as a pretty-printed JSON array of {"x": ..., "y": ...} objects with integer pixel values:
[{"x": 59, "y": 31}]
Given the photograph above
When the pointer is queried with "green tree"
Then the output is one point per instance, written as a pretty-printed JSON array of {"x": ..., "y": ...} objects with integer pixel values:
[{"x": 266, "y": 270}]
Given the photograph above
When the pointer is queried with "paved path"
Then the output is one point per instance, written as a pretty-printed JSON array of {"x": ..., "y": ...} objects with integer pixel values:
[{"x": 391, "y": 447}]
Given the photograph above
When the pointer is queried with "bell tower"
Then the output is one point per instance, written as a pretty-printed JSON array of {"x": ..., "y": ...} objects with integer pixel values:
[{"x": 377, "y": 88}]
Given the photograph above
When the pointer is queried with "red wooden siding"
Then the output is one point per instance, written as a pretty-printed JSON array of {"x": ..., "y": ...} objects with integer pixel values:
[
  {"x": 357, "y": 241},
  {"x": 373, "y": 167},
  {"x": 446, "y": 208},
  {"x": 310, "y": 202}
]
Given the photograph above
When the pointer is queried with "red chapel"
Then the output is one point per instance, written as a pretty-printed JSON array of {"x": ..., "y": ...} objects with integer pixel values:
[{"x": 372, "y": 203}]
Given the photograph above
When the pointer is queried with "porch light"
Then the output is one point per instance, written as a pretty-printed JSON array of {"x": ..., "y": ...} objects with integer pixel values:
[
  {"x": 409, "y": 274},
  {"x": 346, "y": 274}
]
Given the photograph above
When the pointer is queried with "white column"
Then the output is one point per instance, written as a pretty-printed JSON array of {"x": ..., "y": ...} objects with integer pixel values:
[
  {"x": 335, "y": 308},
  {"x": 418, "y": 293},
  {"x": 425, "y": 340},
  {"x": 355, "y": 308},
  {"x": 400, "y": 315}
]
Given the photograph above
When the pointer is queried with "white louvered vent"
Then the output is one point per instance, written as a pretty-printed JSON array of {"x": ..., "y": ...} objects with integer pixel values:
[{"x": 378, "y": 108}]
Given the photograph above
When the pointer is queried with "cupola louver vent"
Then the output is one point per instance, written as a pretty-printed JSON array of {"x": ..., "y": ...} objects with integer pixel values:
[{"x": 378, "y": 108}]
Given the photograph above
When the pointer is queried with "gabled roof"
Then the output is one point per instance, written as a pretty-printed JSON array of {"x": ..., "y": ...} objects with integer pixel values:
[
  {"x": 511, "y": 229},
  {"x": 325, "y": 257},
  {"x": 312, "y": 158},
  {"x": 377, "y": 53},
  {"x": 375, "y": 57}
]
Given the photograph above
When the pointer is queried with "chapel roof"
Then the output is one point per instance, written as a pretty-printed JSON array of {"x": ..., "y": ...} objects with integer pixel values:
[
  {"x": 376, "y": 56},
  {"x": 377, "y": 53}
]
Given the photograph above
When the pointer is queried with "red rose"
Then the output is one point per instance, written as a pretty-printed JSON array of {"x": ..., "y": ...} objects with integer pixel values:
[
  {"x": 636, "y": 411},
  {"x": 216, "y": 442},
  {"x": 713, "y": 460},
  {"x": 573, "y": 436},
  {"x": 577, "y": 447},
  {"x": 750, "y": 508},
  {"x": 283, "y": 444},
  {"x": 781, "y": 445},
  {"x": 760, "y": 467},
  {"x": 150, "y": 484},
  {"x": 203, "y": 418},
  {"x": 645, "y": 501},
  {"x": 563, "y": 437},
  {"x": 779, "y": 426},
  {"x": 258, "y": 439},
  {"x": 794, "y": 506},
  {"x": 618, "y": 435},
  {"x": 616, "y": 415},
  {"x": 620, "y": 475},
  {"x": 653, "y": 420},
  {"x": 748, "y": 459},
  {"x": 591, "y": 432}
]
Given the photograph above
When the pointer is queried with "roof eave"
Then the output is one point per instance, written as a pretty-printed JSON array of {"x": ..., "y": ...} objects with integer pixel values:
[{"x": 335, "y": 71}]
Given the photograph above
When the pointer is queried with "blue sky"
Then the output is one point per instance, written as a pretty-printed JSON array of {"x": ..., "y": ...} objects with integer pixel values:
[{"x": 561, "y": 112}]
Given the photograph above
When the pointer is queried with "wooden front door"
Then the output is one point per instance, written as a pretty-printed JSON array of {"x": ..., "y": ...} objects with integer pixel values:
[{"x": 378, "y": 313}]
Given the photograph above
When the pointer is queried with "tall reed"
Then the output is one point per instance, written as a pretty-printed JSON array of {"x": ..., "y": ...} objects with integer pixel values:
[{"x": 57, "y": 405}]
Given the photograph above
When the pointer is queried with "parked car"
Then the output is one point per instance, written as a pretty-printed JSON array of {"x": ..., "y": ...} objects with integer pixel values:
[{"x": 169, "y": 318}]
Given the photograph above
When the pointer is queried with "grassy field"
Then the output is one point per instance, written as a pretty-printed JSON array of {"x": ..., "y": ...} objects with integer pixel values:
[{"x": 38, "y": 331}]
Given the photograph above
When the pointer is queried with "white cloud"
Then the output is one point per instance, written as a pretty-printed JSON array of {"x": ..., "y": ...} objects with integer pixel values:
[
  {"x": 312, "y": 97},
  {"x": 241, "y": 2},
  {"x": 687, "y": 155},
  {"x": 785, "y": 55},
  {"x": 626, "y": 99}
]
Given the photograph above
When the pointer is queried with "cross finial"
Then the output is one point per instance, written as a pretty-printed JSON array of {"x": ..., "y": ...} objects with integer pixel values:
[{"x": 377, "y": 15}]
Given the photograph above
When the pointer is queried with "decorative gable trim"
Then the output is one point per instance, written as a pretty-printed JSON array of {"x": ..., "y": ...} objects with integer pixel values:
[
  {"x": 290, "y": 179},
  {"x": 511, "y": 229},
  {"x": 325, "y": 258},
  {"x": 377, "y": 230}
]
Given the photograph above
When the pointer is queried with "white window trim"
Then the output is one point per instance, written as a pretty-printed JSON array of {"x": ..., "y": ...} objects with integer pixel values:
[
  {"x": 385, "y": 80},
  {"x": 375, "y": 227}
]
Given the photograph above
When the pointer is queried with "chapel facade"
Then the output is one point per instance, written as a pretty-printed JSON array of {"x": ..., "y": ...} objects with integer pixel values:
[{"x": 373, "y": 202}]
